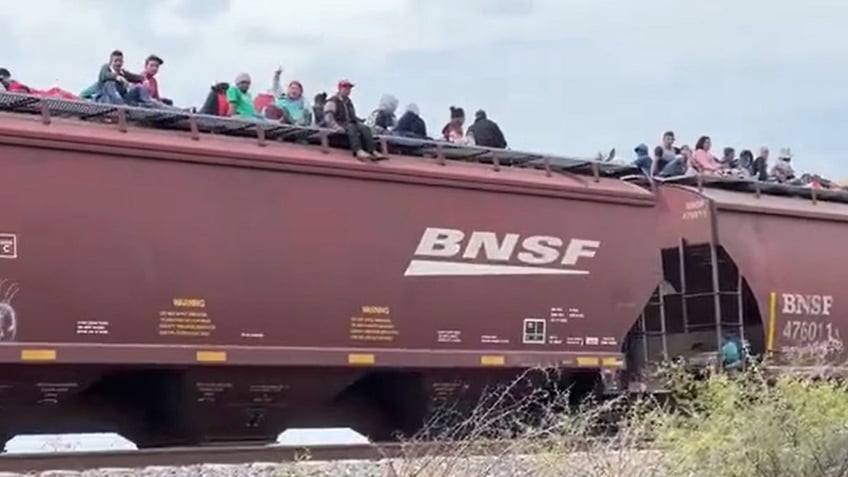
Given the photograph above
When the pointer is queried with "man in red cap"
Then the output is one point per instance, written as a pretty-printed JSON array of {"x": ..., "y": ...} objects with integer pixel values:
[{"x": 339, "y": 114}]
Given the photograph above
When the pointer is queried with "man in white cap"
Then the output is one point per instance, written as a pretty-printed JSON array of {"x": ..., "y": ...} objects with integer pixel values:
[{"x": 240, "y": 100}]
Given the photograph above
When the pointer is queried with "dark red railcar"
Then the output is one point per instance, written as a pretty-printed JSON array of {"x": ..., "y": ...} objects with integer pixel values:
[
  {"x": 749, "y": 261},
  {"x": 185, "y": 287}
]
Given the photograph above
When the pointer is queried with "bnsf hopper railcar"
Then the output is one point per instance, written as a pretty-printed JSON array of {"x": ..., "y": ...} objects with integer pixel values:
[
  {"x": 754, "y": 261},
  {"x": 179, "y": 287}
]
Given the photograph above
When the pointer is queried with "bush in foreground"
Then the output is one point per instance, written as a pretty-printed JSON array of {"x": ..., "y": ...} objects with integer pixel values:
[{"x": 722, "y": 425}]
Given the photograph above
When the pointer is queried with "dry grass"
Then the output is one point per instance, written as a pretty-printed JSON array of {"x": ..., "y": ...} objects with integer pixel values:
[{"x": 722, "y": 425}]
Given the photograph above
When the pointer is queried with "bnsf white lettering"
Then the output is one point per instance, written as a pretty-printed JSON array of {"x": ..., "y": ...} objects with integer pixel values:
[
  {"x": 492, "y": 249},
  {"x": 440, "y": 243},
  {"x": 579, "y": 248},
  {"x": 535, "y": 250},
  {"x": 540, "y": 250},
  {"x": 797, "y": 304}
]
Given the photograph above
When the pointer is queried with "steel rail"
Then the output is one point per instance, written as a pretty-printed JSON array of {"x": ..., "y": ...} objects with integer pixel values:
[
  {"x": 247, "y": 454},
  {"x": 237, "y": 454}
]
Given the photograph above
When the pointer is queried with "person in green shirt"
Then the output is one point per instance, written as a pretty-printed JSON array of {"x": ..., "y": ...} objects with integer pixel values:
[
  {"x": 731, "y": 355},
  {"x": 240, "y": 100}
]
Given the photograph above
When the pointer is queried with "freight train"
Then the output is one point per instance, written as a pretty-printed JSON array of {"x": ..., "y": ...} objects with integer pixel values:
[{"x": 183, "y": 279}]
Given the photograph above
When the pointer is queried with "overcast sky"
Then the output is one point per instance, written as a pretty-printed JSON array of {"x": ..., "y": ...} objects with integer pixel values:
[{"x": 572, "y": 77}]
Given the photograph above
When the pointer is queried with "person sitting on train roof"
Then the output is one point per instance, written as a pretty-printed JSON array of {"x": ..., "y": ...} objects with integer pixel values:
[
  {"x": 680, "y": 165},
  {"x": 728, "y": 158},
  {"x": 759, "y": 169},
  {"x": 340, "y": 115},
  {"x": 453, "y": 131},
  {"x": 664, "y": 154},
  {"x": 290, "y": 102},
  {"x": 318, "y": 103},
  {"x": 149, "y": 82},
  {"x": 782, "y": 170},
  {"x": 411, "y": 124},
  {"x": 115, "y": 85},
  {"x": 745, "y": 163},
  {"x": 703, "y": 160},
  {"x": 485, "y": 132},
  {"x": 10, "y": 85},
  {"x": 216, "y": 101},
  {"x": 643, "y": 160},
  {"x": 239, "y": 99},
  {"x": 383, "y": 119}
]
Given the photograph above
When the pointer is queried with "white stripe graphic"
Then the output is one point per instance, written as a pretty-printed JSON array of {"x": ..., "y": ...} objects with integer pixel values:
[{"x": 433, "y": 268}]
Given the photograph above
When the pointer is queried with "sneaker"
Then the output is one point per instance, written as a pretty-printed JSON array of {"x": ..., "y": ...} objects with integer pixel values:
[
  {"x": 377, "y": 156},
  {"x": 361, "y": 154}
]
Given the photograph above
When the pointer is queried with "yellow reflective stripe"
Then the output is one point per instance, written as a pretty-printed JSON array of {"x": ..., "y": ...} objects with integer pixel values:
[
  {"x": 492, "y": 360},
  {"x": 38, "y": 355},
  {"x": 211, "y": 356},
  {"x": 360, "y": 358}
]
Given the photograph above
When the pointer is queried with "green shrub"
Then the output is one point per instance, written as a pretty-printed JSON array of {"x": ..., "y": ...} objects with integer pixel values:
[{"x": 745, "y": 425}]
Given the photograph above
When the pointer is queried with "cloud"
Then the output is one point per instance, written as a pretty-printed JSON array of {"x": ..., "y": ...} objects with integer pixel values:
[{"x": 566, "y": 76}]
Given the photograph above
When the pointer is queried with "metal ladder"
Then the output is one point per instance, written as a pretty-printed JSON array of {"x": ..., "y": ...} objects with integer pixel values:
[{"x": 736, "y": 323}]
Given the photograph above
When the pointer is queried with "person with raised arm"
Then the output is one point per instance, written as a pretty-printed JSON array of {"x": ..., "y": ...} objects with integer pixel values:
[
  {"x": 340, "y": 115},
  {"x": 291, "y": 103}
]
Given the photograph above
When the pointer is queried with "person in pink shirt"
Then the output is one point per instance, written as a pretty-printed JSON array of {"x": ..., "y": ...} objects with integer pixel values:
[
  {"x": 149, "y": 82},
  {"x": 702, "y": 159}
]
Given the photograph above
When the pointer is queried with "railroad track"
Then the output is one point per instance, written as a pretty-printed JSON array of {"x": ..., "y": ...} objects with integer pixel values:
[
  {"x": 246, "y": 454},
  {"x": 237, "y": 454}
]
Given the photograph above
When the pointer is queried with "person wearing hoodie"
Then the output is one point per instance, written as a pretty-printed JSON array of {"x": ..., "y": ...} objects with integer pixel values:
[
  {"x": 295, "y": 110},
  {"x": 643, "y": 160},
  {"x": 216, "y": 101},
  {"x": 318, "y": 108},
  {"x": 782, "y": 171},
  {"x": 486, "y": 132},
  {"x": 411, "y": 124},
  {"x": 382, "y": 119}
]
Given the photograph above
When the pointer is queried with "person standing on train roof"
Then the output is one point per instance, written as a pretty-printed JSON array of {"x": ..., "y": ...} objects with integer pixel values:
[
  {"x": 485, "y": 132},
  {"x": 240, "y": 100},
  {"x": 340, "y": 115},
  {"x": 291, "y": 102}
]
